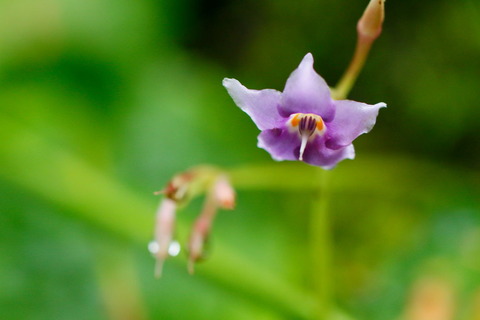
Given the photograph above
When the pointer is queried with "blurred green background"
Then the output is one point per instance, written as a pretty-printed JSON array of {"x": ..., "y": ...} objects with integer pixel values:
[{"x": 102, "y": 101}]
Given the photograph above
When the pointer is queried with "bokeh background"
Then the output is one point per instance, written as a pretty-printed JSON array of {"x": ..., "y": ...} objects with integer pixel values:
[{"x": 102, "y": 101}]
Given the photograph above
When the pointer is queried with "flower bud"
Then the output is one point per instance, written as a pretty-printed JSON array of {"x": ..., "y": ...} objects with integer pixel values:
[
  {"x": 198, "y": 239},
  {"x": 178, "y": 192},
  {"x": 223, "y": 193},
  {"x": 164, "y": 226},
  {"x": 370, "y": 24}
]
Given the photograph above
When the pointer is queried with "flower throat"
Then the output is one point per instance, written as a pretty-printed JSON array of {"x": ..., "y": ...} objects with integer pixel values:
[{"x": 307, "y": 125}]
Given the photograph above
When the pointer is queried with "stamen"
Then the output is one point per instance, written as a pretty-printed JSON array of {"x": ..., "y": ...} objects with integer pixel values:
[{"x": 306, "y": 124}]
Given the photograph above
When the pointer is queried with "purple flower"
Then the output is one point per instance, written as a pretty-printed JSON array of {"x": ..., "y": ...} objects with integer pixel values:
[{"x": 303, "y": 122}]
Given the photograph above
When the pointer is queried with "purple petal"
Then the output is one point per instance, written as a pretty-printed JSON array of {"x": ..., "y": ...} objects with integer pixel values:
[
  {"x": 307, "y": 92},
  {"x": 280, "y": 143},
  {"x": 260, "y": 105},
  {"x": 285, "y": 145},
  {"x": 351, "y": 120},
  {"x": 318, "y": 154}
]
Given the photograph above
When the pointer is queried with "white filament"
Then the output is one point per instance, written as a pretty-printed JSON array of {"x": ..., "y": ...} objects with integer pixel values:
[{"x": 302, "y": 146}]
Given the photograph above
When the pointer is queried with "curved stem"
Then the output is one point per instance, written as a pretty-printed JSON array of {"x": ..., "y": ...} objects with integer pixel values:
[
  {"x": 369, "y": 28},
  {"x": 343, "y": 87}
]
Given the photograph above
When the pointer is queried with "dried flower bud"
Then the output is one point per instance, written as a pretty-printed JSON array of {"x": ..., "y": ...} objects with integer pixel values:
[
  {"x": 179, "y": 191},
  {"x": 223, "y": 193},
  {"x": 201, "y": 231},
  {"x": 164, "y": 226},
  {"x": 177, "y": 188},
  {"x": 370, "y": 24},
  {"x": 198, "y": 239}
]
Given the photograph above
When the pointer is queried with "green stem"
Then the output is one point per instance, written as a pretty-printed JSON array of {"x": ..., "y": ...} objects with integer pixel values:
[{"x": 320, "y": 247}]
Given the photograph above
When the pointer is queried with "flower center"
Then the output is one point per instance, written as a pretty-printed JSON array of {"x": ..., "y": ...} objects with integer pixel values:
[{"x": 307, "y": 125}]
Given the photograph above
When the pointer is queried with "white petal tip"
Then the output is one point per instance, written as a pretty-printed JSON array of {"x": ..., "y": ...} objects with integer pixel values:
[
  {"x": 227, "y": 82},
  {"x": 307, "y": 60}
]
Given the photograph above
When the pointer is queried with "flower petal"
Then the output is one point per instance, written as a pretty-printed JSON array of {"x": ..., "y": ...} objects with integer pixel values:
[
  {"x": 260, "y": 105},
  {"x": 280, "y": 143},
  {"x": 318, "y": 154},
  {"x": 351, "y": 120},
  {"x": 307, "y": 92}
]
